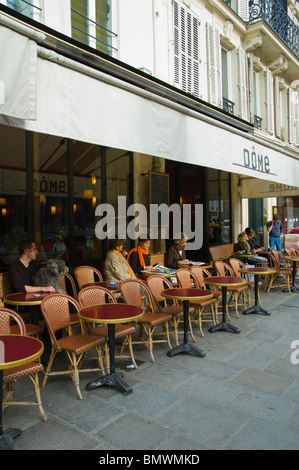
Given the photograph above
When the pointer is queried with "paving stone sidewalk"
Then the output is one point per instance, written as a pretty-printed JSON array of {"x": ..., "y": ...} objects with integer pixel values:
[{"x": 243, "y": 395}]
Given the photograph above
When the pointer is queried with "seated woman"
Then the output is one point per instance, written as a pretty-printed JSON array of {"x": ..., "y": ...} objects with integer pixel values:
[
  {"x": 242, "y": 245},
  {"x": 140, "y": 258},
  {"x": 116, "y": 267},
  {"x": 176, "y": 253}
]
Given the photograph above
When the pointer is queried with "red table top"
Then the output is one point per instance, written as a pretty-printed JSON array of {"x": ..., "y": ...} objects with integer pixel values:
[
  {"x": 111, "y": 313},
  {"x": 187, "y": 294},
  {"x": 16, "y": 350},
  {"x": 229, "y": 281},
  {"x": 25, "y": 298}
]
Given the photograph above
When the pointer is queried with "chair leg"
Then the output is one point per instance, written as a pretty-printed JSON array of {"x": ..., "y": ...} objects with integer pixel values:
[
  {"x": 150, "y": 343},
  {"x": 49, "y": 366},
  {"x": 35, "y": 381},
  {"x": 190, "y": 328}
]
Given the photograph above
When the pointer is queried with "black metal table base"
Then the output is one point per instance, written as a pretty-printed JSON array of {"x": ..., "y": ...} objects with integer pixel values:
[
  {"x": 110, "y": 380},
  {"x": 224, "y": 325},
  {"x": 7, "y": 438},
  {"x": 186, "y": 348},
  {"x": 256, "y": 309},
  {"x": 113, "y": 379}
]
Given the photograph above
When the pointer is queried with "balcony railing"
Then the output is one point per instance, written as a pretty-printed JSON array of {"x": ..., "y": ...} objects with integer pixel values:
[
  {"x": 257, "y": 122},
  {"x": 277, "y": 18},
  {"x": 228, "y": 105}
]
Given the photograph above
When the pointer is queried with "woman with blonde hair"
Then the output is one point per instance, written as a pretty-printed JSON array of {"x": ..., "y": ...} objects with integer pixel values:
[{"x": 116, "y": 267}]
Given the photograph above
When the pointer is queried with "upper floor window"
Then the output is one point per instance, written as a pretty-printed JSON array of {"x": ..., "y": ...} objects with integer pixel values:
[
  {"x": 92, "y": 24},
  {"x": 186, "y": 53},
  {"x": 30, "y": 8}
]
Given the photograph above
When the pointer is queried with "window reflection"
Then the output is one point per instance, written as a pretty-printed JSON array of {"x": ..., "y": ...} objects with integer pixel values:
[
  {"x": 219, "y": 207},
  {"x": 13, "y": 200}
]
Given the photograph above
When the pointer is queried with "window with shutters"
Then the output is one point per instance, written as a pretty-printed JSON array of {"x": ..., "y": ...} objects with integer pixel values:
[
  {"x": 214, "y": 66},
  {"x": 293, "y": 113},
  {"x": 186, "y": 49},
  {"x": 243, "y": 101},
  {"x": 269, "y": 102}
]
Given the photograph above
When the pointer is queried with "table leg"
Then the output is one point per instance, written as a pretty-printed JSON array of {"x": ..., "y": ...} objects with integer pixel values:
[
  {"x": 293, "y": 287},
  {"x": 256, "y": 308},
  {"x": 113, "y": 379},
  {"x": 6, "y": 437},
  {"x": 186, "y": 347},
  {"x": 224, "y": 325}
]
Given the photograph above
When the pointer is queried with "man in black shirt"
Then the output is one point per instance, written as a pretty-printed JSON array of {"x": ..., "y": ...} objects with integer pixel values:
[{"x": 23, "y": 270}]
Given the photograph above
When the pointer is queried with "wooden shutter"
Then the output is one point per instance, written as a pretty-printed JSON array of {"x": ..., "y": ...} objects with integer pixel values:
[
  {"x": 293, "y": 117},
  {"x": 269, "y": 102},
  {"x": 277, "y": 107},
  {"x": 214, "y": 66},
  {"x": 243, "y": 101},
  {"x": 186, "y": 49},
  {"x": 243, "y": 9}
]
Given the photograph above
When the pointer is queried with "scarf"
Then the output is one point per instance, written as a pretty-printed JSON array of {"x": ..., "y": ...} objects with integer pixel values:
[
  {"x": 140, "y": 252},
  {"x": 130, "y": 270}
]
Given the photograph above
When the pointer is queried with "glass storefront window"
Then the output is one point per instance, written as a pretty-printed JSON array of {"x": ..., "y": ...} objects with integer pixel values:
[
  {"x": 50, "y": 196},
  {"x": 13, "y": 200},
  {"x": 87, "y": 195},
  {"x": 218, "y": 188}
]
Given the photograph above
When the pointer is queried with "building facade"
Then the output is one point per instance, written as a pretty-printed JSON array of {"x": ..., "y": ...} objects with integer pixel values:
[{"x": 97, "y": 97}]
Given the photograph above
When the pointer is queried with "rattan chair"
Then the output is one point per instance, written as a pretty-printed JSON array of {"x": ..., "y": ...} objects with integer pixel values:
[
  {"x": 55, "y": 310},
  {"x": 283, "y": 274},
  {"x": 186, "y": 279},
  {"x": 202, "y": 273},
  {"x": 157, "y": 284},
  {"x": 132, "y": 290},
  {"x": 87, "y": 275},
  {"x": 96, "y": 295},
  {"x": 5, "y": 289},
  {"x": 223, "y": 269},
  {"x": 236, "y": 264},
  {"x": 9, "y": 318}
]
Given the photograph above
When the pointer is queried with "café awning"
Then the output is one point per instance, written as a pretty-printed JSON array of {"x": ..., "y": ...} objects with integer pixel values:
[{"x": 79, "y": 102}]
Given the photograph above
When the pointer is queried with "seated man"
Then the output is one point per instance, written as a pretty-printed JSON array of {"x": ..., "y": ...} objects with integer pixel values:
[{"x": 22, "y": 271}]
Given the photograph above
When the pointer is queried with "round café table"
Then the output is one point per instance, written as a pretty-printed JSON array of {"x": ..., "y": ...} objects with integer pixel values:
[
  {"x": 15, "y": 350},
  {"x": 225, "y": 282},
  {"x": 256, "y": 308},
  {"x": 27, "y": 299},
  {"x": 295, "y": 260},
  {"x": 111, "y": 314},
  {"x": 186, "y": 295}
]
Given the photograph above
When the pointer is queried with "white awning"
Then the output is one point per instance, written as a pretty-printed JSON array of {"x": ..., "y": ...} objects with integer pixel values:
[
  {"x": 78, "y": 102},
  {"x": 18, "y": 60}
]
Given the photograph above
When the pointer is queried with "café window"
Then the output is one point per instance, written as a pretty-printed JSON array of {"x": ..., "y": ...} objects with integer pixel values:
[
  {"x": 219, "y": 206},
  {"x": 13, "y": 194}
]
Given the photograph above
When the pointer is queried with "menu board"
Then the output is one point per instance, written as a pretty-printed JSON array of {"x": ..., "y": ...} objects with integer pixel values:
[{"x": 158, "y": 188}]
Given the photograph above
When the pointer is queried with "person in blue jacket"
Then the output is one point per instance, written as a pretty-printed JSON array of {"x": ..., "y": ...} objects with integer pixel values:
[{"x": 274, "y": 228}]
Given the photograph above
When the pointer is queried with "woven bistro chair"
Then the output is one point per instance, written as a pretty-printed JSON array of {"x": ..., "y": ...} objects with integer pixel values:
[
  {"x": 68, "y": 281},
  {"x": 10, "y": 376},
  {"x": 186, "y": 279},
  {"x": 96, "y": 295},
  {"x": 202, "y": 273},
  {"x": 87, "y": 275},
  {"x": 55, "y": 310},
  {"x": 223, "y": 269},
  {"x": 133, "y": 291},
  {"x": 5, "y": 289},
  {"x": 236, "y": 264},
  {"x": 157, "y": 284},
  {"x": 282, "y": 276}
]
